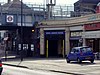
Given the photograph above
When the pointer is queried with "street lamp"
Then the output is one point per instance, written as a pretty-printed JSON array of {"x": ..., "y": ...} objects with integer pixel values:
[{"x": 21, "y": 30}]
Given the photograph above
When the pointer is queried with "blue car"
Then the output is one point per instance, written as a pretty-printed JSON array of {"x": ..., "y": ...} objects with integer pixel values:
[{"x": 80, "y": 54}]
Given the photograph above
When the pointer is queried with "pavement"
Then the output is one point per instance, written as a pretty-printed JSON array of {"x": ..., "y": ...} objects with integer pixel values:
[{"x": 56, "y": 65}]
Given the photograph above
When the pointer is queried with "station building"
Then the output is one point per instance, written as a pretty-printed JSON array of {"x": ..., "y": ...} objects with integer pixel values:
[
  {"x": 57, "y": 37},
  {"x": 13, "y": 32},
  {"x": 18, "y": 25},
  {"x": 52, "y": 38}
]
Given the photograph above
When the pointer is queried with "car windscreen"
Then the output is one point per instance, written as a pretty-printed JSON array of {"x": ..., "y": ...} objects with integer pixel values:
[{"x": 86, "y": 49}]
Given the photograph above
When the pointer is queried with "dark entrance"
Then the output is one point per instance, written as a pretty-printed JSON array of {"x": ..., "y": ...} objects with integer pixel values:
[
  {"x": 52, "y": 48},
  {"x": 94, "y": 44},
  {"x": 54, "y": 43}
]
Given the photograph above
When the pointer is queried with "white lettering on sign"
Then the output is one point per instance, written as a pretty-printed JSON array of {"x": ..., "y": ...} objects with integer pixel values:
[
  {"x": 54, "y": 32},
  {"x": 76, "y": 34}
]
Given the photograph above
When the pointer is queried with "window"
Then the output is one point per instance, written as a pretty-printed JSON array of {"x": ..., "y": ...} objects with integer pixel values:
[
  {"x": 73, "y": 50},
  {"x": 77, "y": 50},
  {"x": 28, "y": 19},
  {"x": 19, "y": 19},
  {"x": 85, "y": 49}
]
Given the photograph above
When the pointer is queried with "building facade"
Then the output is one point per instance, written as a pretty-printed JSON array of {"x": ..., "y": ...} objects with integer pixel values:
[
  {"x": 84, "y": 7},
  {"x": 57, "y": 37},
  {"x": 19, "y": 25}
]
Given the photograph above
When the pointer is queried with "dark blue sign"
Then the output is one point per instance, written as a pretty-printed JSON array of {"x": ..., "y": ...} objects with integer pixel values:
[{"x": 54, "y": 33}]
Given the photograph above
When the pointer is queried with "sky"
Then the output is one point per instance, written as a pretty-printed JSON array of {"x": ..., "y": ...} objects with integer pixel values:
[{"x": 58, "y": 2}]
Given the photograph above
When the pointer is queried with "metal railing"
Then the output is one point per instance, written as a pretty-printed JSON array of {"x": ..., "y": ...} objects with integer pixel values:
[{"x": 58, "y": 11}]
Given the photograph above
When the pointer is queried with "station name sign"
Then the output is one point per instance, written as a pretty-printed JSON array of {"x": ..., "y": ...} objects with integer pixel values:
[{"x": 54, "y": 33}]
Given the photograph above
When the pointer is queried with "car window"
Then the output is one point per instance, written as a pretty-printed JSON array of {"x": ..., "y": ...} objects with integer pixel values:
[
  {"x": 77, "y": 50},
  {"x": 73, "y": 50},
  {"x": 85, "y": 49}
]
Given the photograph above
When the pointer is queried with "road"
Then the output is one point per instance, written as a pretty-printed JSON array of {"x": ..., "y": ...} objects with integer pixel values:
[{"x": 9, "y": 70}]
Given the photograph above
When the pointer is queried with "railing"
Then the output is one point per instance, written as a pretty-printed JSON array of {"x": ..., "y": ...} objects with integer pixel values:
[{"x": 57, "y": 10}]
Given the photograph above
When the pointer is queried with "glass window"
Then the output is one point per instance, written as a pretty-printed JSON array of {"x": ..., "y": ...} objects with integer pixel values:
[
  {"x": 77, "y": 50},
  {"x": 28, "y": 19},
  {"x": 73, "y": 50},
  {"x": 85, "y": 49},
  {"x": 19, "y": 18}
]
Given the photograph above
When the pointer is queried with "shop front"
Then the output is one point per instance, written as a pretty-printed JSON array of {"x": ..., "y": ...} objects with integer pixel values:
[
  {"x": 92, "y": 39},
  {"x": 92, "y": 36},
  {"x": 75, "y": 39}
]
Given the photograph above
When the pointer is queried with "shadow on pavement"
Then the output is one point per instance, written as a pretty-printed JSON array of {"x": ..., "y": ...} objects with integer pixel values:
[
  {"x": 66, "y": 72},
  {"x": 83, "y": 63}
]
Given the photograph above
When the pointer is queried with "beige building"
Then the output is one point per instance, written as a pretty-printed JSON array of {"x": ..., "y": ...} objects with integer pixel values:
[{"x": 57, "y": 37}]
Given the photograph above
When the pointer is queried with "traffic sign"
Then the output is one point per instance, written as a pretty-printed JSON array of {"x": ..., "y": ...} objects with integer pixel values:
[{"x": 10, "y": 18}]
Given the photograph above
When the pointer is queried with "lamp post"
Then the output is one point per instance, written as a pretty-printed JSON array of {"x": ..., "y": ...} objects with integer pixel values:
[{"x": 21, "y": 30}]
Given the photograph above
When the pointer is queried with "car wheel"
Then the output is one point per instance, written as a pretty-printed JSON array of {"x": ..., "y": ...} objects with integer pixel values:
[
  {"x": 68, "y": 61},
  {"x": 78, "y": 60},
  {"x": 92, "y": 61}
]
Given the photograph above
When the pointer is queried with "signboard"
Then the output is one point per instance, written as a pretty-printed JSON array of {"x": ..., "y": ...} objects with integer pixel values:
[
  {"x": 74, "y": 34},
  {"x": 54, "y": 32},
  {"x": 93, "y": 26},
  {"x": 51, "y": 2},
  {"x": 91, "y": 34},
  {"x": 32, "y": 47},
  {"x": 81, "y": 40},
  {"x": 10, "y": 18}
]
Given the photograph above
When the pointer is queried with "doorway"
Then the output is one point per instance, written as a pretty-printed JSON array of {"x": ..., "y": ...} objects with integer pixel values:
[
  {"x": 54, "y": 43},
  {"x": 52, "y": 48}
]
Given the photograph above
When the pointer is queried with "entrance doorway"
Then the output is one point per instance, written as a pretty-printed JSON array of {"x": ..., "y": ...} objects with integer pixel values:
[
  {"x": 94, "y": 44},
  {"x": 53, "y": 48},
  {"x": 55, "y": 45}
]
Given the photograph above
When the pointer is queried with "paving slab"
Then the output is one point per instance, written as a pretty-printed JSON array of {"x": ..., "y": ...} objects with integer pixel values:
[{"x": 59, "y": 65}]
